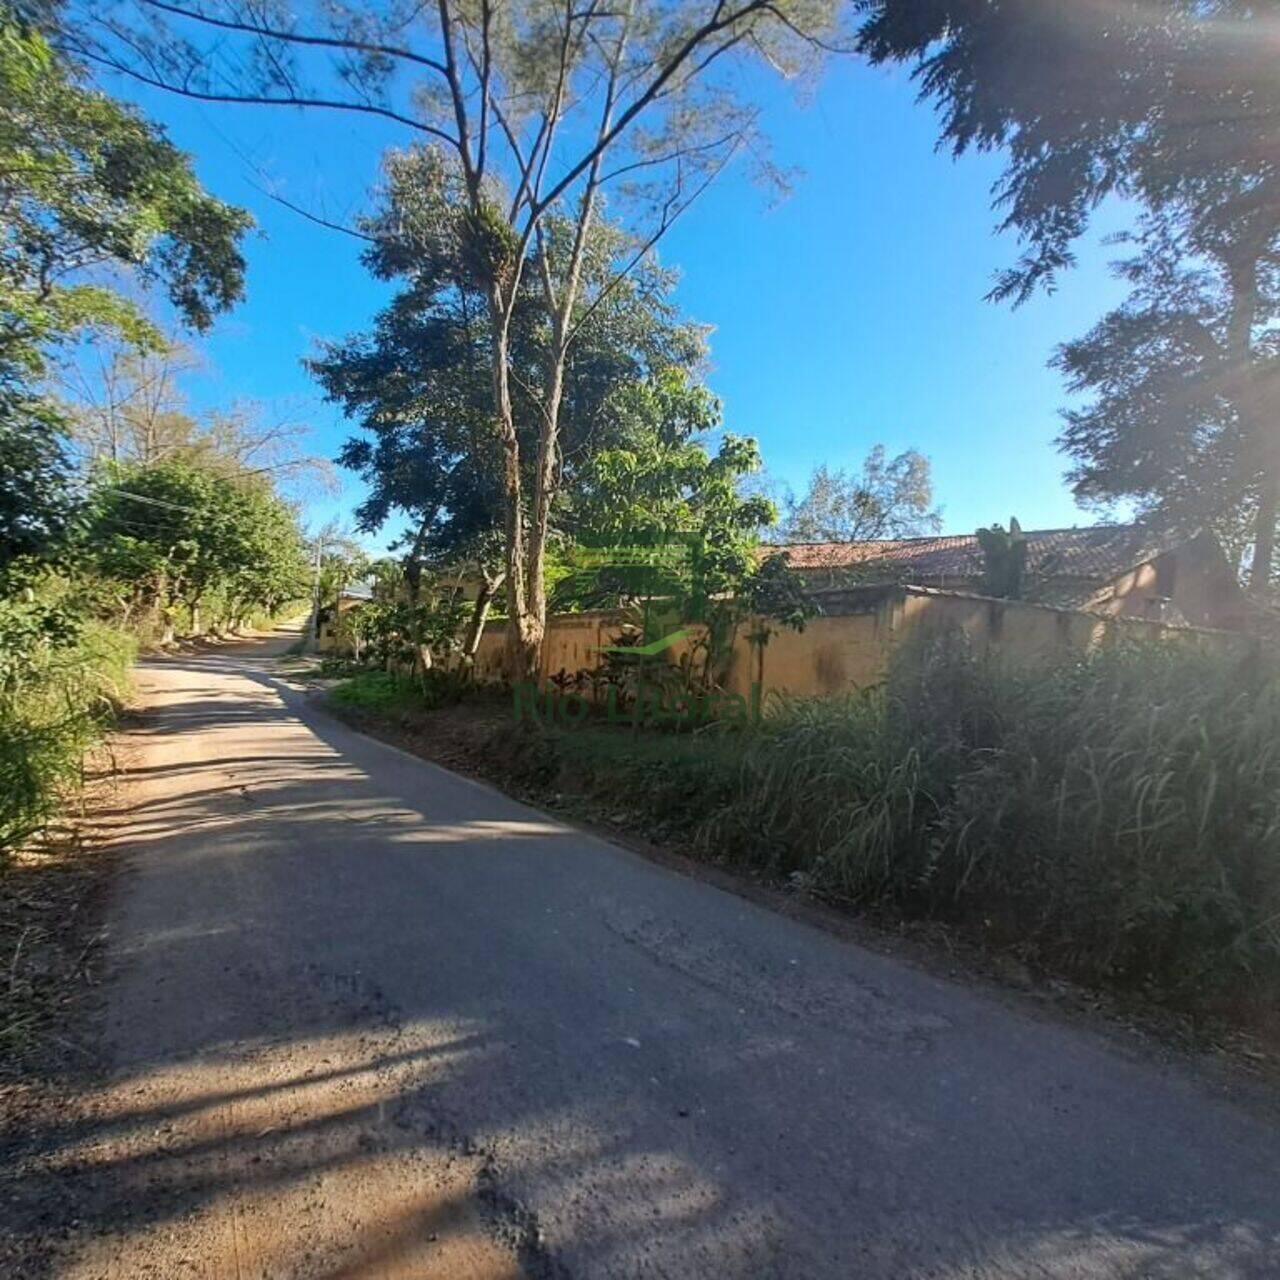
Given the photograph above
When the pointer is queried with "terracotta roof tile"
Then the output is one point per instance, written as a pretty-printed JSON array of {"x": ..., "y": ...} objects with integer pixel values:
[{"x": 1099, "y": 553}]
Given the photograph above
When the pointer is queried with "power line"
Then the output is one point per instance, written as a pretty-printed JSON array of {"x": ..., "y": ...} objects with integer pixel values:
[{"x": 152, "y": 502}]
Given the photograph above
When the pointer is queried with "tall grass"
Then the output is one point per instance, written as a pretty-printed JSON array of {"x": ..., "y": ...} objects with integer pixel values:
[
  {"x": 387, "y": 695},
  {"x": 1115, "y": 818},
  {"x": 54, "y": 705}
]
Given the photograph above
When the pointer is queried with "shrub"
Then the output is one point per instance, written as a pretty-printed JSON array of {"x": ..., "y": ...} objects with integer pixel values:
[
  {"x": 1114, "y": 817},
  {"x": 381, "y": 692},
  {"x": 336, "y": 666},
  {"x": 61, "y": 680}
]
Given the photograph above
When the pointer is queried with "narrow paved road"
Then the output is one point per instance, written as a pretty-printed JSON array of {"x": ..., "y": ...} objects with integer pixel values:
[{"x": 368, "y": 1018}]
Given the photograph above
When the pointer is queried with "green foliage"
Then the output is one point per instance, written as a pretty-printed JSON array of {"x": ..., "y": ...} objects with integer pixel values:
[
  {"x": 1004, "y": 561},
  {"x": 60, "y": 678},
  {"x": 85, "y": 180},
  {"x": 668, "y": 783},
  {"x": 85, "y": 184},
  {"x": 1171, "y": 105},
  {"x": 380, "y": 693},
  {"x": 888, "y": 498},
  {"x": 398, "y": 632},
  {"x": 376, "y": 692},
  {"x": 153, "y": 539},
  {"x": 335, "y": 666},
  {"x": 421, "y": 383},
  {"x": 1181, "y": 380},
  {"x": 661, "y": 487},
  {"x": 660, "y": 481},
  {"x": 342, "y": 562},
  {"x": 1114, "y": 818},
  {"x": 535, "y": 120},
  {"x": 775, "y": 593},
  {"x": 36, "y": 491},
  {"x": 177, "y": 533},
  {"x": 1117, "y": 818}
]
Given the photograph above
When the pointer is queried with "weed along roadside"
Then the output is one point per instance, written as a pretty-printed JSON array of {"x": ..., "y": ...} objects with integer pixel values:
[
  {"x": 648, "y": 704},
  {"x": 1111, "y": 820}
]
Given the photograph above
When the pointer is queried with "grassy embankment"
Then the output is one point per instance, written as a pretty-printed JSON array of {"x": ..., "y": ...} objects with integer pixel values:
[
  {"x": 61, "y": 682},
  {"x": 1114, "y": 820},
  {"x": 52, "y": 712}
]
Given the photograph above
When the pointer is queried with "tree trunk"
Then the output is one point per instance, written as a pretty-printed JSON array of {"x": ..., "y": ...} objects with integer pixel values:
[
  {"x": 479, "y": 616},
  {"x": 413, "y": 580},
  {"x": 525, "y": 621},
  {"x": 544, "y": 481},
  {"x": 545, "y": 478},
  {"x": 1242, "y": 272},
  {"x": 164, "y": 611},
  {"x": 1264, "y": 538}
]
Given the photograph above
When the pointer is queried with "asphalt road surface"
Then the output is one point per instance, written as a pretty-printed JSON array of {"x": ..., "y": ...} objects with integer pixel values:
[{"x": 369, "y": 1018}]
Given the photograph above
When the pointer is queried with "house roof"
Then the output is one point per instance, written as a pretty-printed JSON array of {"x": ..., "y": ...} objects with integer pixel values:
[{"x": 1095, "y": 554}]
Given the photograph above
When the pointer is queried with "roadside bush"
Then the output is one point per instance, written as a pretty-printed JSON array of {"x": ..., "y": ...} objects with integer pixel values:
[
  {"x": 376, "y": 692},
  {"x": 671, "y": 782},
  {"x": 1114, "y": 818},
  {"x": 383, "y": 693},
  {"x": 61, "y": 679},
  {"x": 334, "y": 666}
]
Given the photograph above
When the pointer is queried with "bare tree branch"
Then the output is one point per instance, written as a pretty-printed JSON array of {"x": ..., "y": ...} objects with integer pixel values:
[
  {"x": 265, "y": 100},
  {"x": 318, "y": 219},
  {"x": 295, "y": 37},
  {"x": 695, "y": 40},
  {"x": 671, "y": 212}
]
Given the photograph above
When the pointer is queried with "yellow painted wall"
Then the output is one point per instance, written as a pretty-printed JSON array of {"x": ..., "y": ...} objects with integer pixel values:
[
  {"x": 1202, "y": 588},
  {"x": 850, "y": 649}
]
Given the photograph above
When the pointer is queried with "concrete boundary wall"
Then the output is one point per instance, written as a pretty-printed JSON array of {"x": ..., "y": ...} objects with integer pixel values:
[{"x": 849, "y": 646}]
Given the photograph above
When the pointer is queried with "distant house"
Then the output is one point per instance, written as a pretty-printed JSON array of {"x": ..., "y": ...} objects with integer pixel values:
[
  {"x": 352, "y": 596},
  {"x": 1118, "y": 570}
]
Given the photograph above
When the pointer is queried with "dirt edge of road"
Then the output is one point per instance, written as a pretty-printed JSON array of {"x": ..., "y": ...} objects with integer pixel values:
[
  {"x": 54, "y": 901},
  {"x": 1224, "y": 1058},
  {"x": 55, "y": 898}
]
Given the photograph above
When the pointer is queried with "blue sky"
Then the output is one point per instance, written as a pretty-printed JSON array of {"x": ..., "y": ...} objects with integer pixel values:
[{"x": 847, "y": 315}]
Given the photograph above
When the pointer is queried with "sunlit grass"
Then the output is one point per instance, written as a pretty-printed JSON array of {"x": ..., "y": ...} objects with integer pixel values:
[
  {"x": 1114, "y": 818},
  {"x": 49, "y": 718}
]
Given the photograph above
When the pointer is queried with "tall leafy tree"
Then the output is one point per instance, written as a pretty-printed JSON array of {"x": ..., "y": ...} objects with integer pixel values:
[
  {"x": 532, "y": 110},
  {"x": 658, "y": 489},
  {"x": 650, "y": 474},
  {"x": 1175, "y": 105},
  {"x": 181, "y": 534},
  {"x": 659, "y": 481},
  {"x": 86, "y": 186},
  {"x": 36, "y": 498},
  {"x": 1173, "y": 418},
  {"x": 886, "y": 498},
  {"x": 420, "y": 384}
]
